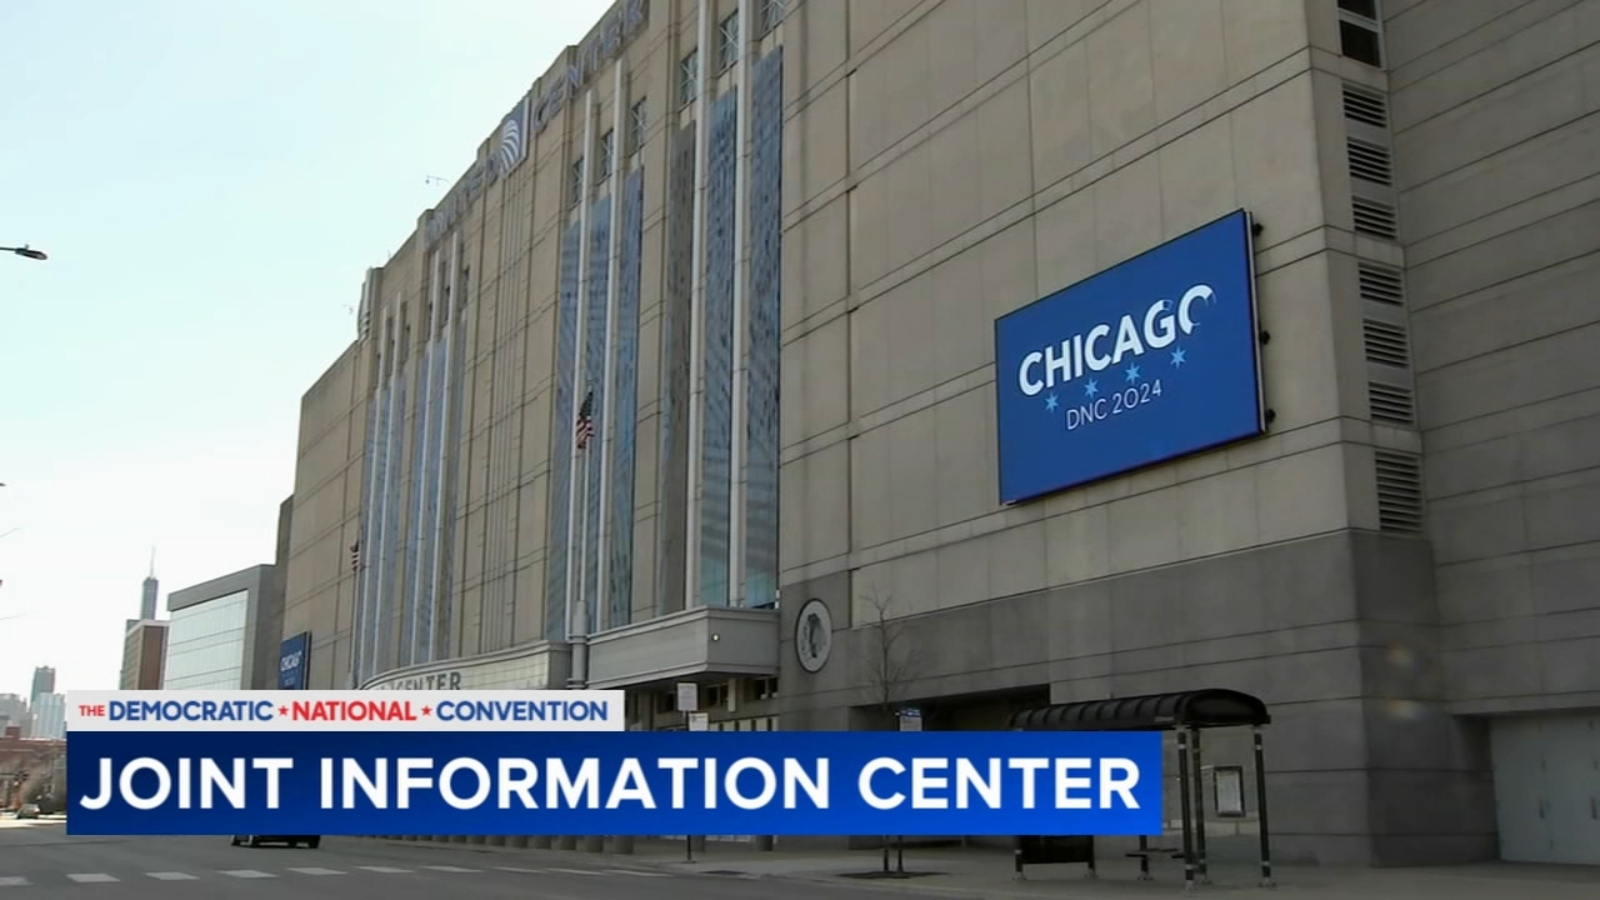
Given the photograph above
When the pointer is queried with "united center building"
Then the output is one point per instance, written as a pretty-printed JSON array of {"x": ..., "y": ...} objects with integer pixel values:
[{"x": 893, "y": 309}]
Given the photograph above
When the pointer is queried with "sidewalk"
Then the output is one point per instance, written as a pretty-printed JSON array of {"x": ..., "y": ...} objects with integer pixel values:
[{"x": 972, "y": 873}]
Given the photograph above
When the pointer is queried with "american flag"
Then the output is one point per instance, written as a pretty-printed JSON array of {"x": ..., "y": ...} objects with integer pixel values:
[{"x": 585, "y": 429}]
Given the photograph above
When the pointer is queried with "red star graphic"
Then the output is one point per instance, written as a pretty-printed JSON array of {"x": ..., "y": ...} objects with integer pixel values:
[
  {"x": 427, "y": 710},
  {"x": 283, "y": 710}
]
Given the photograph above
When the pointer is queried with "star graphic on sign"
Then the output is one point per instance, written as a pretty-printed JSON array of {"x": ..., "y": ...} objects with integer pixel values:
[
  {"x": 1092, "y": 388},
  {"x": 1133, "y": 374},
  {"x": 1050, "y": 403},
  {"x": 1179, "y": 357},
  {"x": 283, "y": 710},
  {"x": 427, "y": 710}
]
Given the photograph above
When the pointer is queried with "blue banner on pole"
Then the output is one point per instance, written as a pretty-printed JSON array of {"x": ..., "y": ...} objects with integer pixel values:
[
  {"x": 294, "y": 662},
  {"x": 1153, "y": 359},
  {"x": 621, "y": 783}
]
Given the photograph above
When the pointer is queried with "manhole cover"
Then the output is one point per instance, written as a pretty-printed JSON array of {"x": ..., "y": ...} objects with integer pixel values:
[{"x": 891, "y": 875}]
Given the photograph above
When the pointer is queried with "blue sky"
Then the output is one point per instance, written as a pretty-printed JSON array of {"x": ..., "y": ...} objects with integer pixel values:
[{"x": 211, "y": 180}]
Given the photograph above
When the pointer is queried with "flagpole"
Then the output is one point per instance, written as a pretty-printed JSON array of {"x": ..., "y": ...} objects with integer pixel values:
[{"x": 578, "y": 611}]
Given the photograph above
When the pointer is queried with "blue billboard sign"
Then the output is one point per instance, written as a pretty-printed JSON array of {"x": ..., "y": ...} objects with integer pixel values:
[
  {"x": 294, "y": 662},
  {"x": 1154, "y": 359}
]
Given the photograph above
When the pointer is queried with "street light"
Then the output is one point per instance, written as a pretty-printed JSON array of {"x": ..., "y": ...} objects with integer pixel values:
[{"x": 26, "y": 251}]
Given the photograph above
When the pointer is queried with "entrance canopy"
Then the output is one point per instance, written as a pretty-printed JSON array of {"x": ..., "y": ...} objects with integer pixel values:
[{"x": 1209, "y": 708}]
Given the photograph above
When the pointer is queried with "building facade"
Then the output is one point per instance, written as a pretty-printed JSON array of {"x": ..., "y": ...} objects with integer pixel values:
[
  {"x": 556, "y": 455},
  {"x": 224, "y": 633},
  {"x": 144, "y": 655},
  {"x": 44, "y": 682},
  {"x": 14, "y": 714},
  {"x": 49, "y": 717}
]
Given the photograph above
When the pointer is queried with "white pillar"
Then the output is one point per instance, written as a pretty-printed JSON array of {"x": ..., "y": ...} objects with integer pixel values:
[
  {"x": 607, "y": 417},
  {"x": 697, "y": 306}
]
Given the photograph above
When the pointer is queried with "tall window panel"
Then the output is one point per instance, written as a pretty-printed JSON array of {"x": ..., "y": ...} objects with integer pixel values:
[
  {"x": 766, "y": 282},
  {"x": 376, "y": 555},
  {"x": 411, "y": 585},
  {"x": 369, "y": 461},
  {"x": 428, "y": 571},
  {"x": 455, "y": 397},
  {"x": 562, "y": 436},
  {"x": 625, "y": 403},
  {"x": 393, "y": 538},
  {"x": 677, "y": 308},
  {"x": 717, "y": 441},
  {"x": 594, "y": 380}
]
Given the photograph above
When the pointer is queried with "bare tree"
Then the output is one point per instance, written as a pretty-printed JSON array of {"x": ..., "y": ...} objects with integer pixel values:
[
  {"x": 891, "y": 664},
  {"x": 890, "y": 658}
]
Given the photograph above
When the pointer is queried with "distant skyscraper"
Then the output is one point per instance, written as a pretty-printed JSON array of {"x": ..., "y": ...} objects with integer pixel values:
[
  {"x": 152, "y": 590},
  {"x": 44, "y": 682}
]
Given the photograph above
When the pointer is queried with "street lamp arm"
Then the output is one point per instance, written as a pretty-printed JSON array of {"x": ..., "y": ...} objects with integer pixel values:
[{"x": 26, "y": 251}]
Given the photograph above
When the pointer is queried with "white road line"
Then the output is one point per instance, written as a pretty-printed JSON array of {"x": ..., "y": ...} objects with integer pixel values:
[
  {"x": 576, "y": 872},
  {"x": 92, "y": 878},
  {"x": 385, "y": 870},
  {"x": 520, "y": 871},
  {"x": 172, "y": 876},
  {"x": 449, "y": 869},
  {"x": 638, "y": 873},
  {"x": 315, "y": 870},
  {"x": 13, "y": 881},
  {"x": 247, "y": 873}
]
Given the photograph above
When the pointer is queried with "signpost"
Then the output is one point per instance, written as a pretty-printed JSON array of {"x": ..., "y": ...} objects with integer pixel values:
[{"x": 693, "y": 720}]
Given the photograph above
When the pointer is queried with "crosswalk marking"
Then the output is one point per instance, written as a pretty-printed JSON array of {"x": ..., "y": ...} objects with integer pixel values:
[
  {"x": 172, "y": 876},
  {"x": 575, "y": 871},
  {"x": 385, "y": 870},
  {"x": 13, "y": 881},
  {"x": 520, "y": 871},
  {"x": 247, "y": 873},
  {"x": 450, "y": 869},
  {"x": 92, "y": 878},
  {"x": 638, "y": 873},
  {"x": 316, "y": 870}
]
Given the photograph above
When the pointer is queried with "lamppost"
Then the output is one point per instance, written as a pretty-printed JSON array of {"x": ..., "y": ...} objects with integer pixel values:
[{"x": 26, "y": 251}]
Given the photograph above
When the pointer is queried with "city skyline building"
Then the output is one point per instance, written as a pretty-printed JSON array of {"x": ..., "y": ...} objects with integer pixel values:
[
  {"x": 49, "y": 717},
  {"x": 747, "y": 299},
  {"x": 144, "y": 651},
  {"x": 44, "y": 682},
  {"x": 150, "y": 591}
]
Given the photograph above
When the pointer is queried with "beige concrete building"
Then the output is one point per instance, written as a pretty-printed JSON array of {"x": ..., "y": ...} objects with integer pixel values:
[{"x": 705, "y": 205}]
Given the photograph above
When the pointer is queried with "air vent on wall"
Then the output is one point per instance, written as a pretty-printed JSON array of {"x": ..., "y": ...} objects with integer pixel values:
[
  {"x": 1391, "y": 404},
  {"x": 1381, "y": 284},
  {"x": 1386, "y": 343},
  {"x": 1399, "y": 477},
  {"x": 1369, "y": 161},
  {"x": 1375, "y": 218},
  {"x": 1366, "y": 107}
]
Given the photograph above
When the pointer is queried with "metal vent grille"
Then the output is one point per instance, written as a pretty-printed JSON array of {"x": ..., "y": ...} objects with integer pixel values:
[
  {"x": 1375, "y": 218},
  {"x": 1366, "y": 107},
  {"x": 1381, "y": 284},
  {"x": 1391, "y": 403},
  {"x": 1369, "y": 161},
  {"x": 1399, "y": 491},
  {"x": 1386, "y": 343}
]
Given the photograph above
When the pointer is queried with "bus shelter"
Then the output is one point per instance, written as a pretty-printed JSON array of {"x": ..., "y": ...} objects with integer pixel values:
[{"x": 1186, "y": 712}]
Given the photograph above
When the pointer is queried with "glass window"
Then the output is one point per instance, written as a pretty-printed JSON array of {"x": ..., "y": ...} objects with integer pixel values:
[
  {"x": 206, "y": 645},
  {"x": 728, "y": 42},
  {"x": 638, "y": 122},
  {"x": 772, "y": 14},
  {"x": 575, "y": 182},
  {"x": 689, "y": 78},
  {"x": 607, "y": 156}
]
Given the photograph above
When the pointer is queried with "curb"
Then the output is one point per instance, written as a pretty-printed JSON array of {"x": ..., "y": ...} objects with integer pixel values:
[{"x": 907, "y": 886}]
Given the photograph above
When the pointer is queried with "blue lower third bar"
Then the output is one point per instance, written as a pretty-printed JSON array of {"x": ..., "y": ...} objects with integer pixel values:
[{"x": 621, "y": 783}]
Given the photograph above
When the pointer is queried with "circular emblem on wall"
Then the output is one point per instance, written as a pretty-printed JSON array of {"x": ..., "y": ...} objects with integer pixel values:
[{"x": 813, "y": 635}]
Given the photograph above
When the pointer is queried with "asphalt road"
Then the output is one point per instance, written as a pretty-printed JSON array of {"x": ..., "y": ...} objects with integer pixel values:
[{"x": 41, "y": 860}]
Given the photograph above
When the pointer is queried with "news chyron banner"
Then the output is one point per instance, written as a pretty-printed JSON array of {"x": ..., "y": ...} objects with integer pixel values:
[{"x": 562, "y": 762}]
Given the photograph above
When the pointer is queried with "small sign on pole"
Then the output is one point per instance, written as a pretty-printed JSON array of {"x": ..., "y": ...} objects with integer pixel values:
[
  {"x": 911, "y": 719},
  {"x": 688, "y": 697},
  {"x": 699, "y": 721}
]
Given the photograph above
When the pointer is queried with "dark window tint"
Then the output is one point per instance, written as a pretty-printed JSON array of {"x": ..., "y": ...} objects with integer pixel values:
[{"x": 1360, "y": 44}]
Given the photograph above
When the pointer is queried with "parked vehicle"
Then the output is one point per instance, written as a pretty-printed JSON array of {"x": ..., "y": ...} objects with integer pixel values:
[
  {"x": 255, "y": 840},
  {"x": 28, "y": 811}
]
